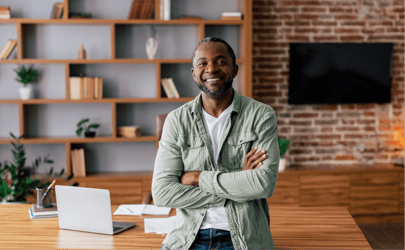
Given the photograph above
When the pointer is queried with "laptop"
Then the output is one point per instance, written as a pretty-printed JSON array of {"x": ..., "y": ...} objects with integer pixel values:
[{"x": 88, "y": 210}]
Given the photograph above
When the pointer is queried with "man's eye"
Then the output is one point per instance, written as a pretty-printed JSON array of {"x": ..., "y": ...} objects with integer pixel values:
[
  {"x": 221, "y": 62},
  {"x": 201, "y": 64}
]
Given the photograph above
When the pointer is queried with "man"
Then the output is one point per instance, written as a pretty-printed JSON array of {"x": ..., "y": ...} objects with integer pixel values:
[{"x": 207, "y": 166}]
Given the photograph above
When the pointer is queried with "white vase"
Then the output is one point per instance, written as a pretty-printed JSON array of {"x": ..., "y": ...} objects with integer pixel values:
[
  {"x": 151, "y": 47},
  {"x": 25, "y": 92},
  {"x": 281, "y": 165}
]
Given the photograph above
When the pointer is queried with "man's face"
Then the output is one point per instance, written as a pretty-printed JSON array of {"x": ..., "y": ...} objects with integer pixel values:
[{"x": 213, "y": 69}]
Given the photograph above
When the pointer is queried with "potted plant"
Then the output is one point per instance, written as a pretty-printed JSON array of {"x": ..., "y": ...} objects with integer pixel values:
[
  {"x": 87, "y": 132},
  {"x": 15, "y": 178},
  {"x": 283, "y": 146},
  {"x": 26, "y": 77}
]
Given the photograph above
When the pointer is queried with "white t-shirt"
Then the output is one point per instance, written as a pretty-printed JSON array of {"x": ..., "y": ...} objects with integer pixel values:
[{"x": 215, "y": 216}]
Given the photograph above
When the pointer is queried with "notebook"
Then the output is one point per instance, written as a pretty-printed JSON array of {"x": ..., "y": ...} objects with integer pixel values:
[{"x": 88, "y": 210}]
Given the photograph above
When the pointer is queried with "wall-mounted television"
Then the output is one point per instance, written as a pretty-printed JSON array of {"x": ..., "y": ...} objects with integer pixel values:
[{"x": 332, "y": 73}]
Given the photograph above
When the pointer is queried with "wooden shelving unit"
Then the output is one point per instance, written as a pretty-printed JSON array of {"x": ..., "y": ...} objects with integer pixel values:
[{"x": 23, "y": 26}]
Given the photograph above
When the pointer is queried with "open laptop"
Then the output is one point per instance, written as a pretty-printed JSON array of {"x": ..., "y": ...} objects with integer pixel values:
[{"x": 87, "y": 209}]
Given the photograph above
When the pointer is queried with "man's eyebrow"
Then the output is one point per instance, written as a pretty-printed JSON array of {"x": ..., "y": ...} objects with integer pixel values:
[{"x": 220, "y": 56}]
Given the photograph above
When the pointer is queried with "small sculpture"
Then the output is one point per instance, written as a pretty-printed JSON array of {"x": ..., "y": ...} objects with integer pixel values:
[
  {"x": 152, "y": 44},
  {"x": 81, "y": 52}
]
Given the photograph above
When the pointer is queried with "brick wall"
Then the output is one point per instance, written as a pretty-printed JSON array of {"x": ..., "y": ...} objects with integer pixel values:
[{"x": 323, "y": 134}]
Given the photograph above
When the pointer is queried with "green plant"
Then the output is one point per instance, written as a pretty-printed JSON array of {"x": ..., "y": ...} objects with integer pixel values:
[
  {"x": 283, "y": 146},
  {"x": 26, "y": 76},
  {"x": 15, "y": 178},
  {"x": 81, "y": 126}
]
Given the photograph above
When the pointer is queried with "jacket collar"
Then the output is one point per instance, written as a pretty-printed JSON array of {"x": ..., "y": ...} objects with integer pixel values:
[{"x": 197, "y": 103}]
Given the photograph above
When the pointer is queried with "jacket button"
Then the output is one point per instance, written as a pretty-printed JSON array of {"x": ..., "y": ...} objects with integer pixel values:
[
  {"x": 188, "y": 145},
  {"x": 202, "y": 214},
  {"x": 193, "y": 234},
  {"x": 240, "y": 141}
]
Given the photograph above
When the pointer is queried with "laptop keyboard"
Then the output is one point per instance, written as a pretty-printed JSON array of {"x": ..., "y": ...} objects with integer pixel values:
[{"x": 117, "y": 228}]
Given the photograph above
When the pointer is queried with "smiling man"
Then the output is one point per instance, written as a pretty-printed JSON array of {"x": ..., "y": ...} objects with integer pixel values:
[{"x": 208, "y": 165}]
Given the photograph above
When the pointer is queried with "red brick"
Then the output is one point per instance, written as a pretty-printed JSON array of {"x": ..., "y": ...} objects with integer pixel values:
[
  {"x": 372, "y": 31},
  {"x": 325, "y": 107},
  {"x": 326, "y": 122},
  {"x": 365, "y": 106},
  {"x": 366, "y": 121},
  {"x": 324, "y": 23},
  {"x": 267, "y": 31},
  {"x": 296, "y": 3},
  {"x": 327, "y": 158},
  {"x": 342, "y": 17},
  {"x": 346, "y": 121},
  {"x": 345, "y": 158},
  {"x": 269, "y": 93},
  {"x": 326, "y": 151},
  {"x": 308, "y": 9},
  {"x": 270, "y": 66},
  {"x": 353, "y": 23},
  {"x": 356, "y": 136},
  {"x": 307, "y": 16},
  {"x": 305, "y": 144},
  {"x": 285, "y": 130},
  {"x": 264, "y": 16},
  {"x": 323, "y": 38},
  {"x": 341, "y": 129},
  {"x": 285, "y": 9},
  {"x": 305, "y": 30},
  {"x": 272, "y": 51},
  {"x": 299, "y": 151},
  {"x": 348, "y": 106},
  {"x": 352, "y": 38},
  {"x": 348, "y": 114},
  {"x": 297, "y": 38},
  {"x": 393, "y": 30},
  {"x": 297, "y": 23},
  {"x": 285, "y": 17},
  {"x": 369, "y": 129},
  {"x": 305, "y": 115},
  {"x": 369, "y": 114},
  {"x": 344, "y": 30},
  {"x": 314, "y": 158},
  {"x": 300, "y": 159},
  {"x": 300, "y": 123},
  {"x": 265, "y": 59},
  {"x": 323, "y": 137},
  {"x": 341, "y": 10}
]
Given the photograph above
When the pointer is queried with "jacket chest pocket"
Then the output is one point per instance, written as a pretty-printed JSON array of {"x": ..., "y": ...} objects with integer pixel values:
[
  {"x": 192, "y": 152},
  {"x": 236, "y": 148}
]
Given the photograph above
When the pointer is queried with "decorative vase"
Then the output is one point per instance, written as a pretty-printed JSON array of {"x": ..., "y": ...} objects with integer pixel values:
[
  {"x": 281, "y": 165},
  {"x": 90, "y": 134},
  {"x": 25, "y": 92},
  {"x": 151, "y": 47}
]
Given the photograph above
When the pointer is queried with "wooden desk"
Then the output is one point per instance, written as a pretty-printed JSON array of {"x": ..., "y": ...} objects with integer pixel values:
[{"x": 292, "y": 227}]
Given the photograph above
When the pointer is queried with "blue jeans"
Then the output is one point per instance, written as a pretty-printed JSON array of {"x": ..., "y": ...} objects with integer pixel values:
[{"x": 211, "y": 239}]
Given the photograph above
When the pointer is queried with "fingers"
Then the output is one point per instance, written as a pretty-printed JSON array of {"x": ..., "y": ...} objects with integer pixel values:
[
  {"x": 256, "y": 164},
  {"x": 256, "y": 159},
  {"x": 251, "y": 152}
]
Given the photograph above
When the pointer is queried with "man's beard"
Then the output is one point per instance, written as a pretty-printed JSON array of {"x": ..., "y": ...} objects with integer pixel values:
[{"x": 216, "y": 93}]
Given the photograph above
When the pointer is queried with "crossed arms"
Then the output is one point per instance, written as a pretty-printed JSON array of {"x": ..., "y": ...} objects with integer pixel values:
[{"x": 171, "y": 187}]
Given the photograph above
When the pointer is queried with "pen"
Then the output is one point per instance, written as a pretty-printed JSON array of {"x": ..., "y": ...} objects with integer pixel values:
[
  {"x": 47, "y": 190},
  {"x": 129, "y": 210}
]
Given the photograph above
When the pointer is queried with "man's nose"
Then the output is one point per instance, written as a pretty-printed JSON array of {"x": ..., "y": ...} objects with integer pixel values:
[{"x": 211, "y": 67}]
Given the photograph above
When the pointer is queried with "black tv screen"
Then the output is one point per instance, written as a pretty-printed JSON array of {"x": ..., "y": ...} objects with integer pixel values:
[{"x": 331, "y": 73}]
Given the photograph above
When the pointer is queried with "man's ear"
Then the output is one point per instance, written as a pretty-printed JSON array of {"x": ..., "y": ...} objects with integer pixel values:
[
  {"x": 192, "y": 72},
  {"x": 235, "y": 70}
]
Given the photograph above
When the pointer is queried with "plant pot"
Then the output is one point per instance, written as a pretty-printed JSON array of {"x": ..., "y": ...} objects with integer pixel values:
[
  {"x": 281, "y": 165},
  {"x": 25, "y": 92},
  {"x": 90, "y": 134}
]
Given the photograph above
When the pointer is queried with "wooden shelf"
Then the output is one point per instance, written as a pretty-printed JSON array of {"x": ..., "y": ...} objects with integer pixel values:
[
  {"x": 73, "y": 140},
  {"x": 102, "y": 61},
  {"x": 91, "y": 21},
  {"x": 104, "y": 100}
]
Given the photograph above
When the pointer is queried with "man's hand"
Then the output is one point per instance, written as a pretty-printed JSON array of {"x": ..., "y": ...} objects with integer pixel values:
[
  {"x": 190, "y": 178},
  {"x": 254, "y": 161}
]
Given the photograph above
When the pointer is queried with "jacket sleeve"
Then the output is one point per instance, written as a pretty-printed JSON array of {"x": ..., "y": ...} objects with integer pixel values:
[
  {"x": 167, "y": 191},
  {"x": 250, "y": 184}
]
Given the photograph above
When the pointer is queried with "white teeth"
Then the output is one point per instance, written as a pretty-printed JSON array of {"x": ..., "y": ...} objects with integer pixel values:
[{"x": 211, "y": 80}]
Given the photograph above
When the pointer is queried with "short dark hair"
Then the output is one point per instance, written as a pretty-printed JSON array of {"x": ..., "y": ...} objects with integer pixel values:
[{"x": 216, "y": 39}]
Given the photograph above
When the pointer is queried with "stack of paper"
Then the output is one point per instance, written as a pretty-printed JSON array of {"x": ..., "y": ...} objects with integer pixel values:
[
  {"x": 159, "y": 225},
  {"x": 139, "y": 209}
]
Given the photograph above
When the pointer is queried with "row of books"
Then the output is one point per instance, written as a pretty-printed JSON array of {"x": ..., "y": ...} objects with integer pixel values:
[
  {"x": 129, "y": 131},
  {"x": 5, "y": 12},
  {"x": 57, "y": 11},
  {"x": 78, "y": 164},
  {"x": 141, "y": 9},
  {"x": 169, "y": 88},
  {"x": 7, "y": 49},
  {"x": 86, "y": 88}
]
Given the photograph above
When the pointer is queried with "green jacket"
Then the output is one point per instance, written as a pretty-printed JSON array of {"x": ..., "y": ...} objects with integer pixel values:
[{"x": 185, "y": 146}]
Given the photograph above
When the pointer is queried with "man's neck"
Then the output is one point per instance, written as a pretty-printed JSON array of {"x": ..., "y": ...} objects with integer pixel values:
[{"x": 214, "y": 106}]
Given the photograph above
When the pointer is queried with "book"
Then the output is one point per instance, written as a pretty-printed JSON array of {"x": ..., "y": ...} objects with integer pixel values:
[
  {"x": 10, "y": 49},
  {"x": 3, "y": 51},
  {"x": 135, "y": 11},
  {"x": 32, "y": 216},
  {"x": 96, "y": 86},
  {"x": 234, "y": 14},
  {"x": 161, "y": 9},
  {"x": 144, "y": 9},
  {"x": 91, "y": 88},
  {"x": 100, "y": 88},
  {"x": 5, "y": 12},
  {"x": 166, "y": 10},
  {"x": 150, "y": 9},
  {"x": 75, "y": 88},
  {"x": 78, "y": 163},
  {"x": 160, "y": 120},
  {"x": 172, "y": 87},
  {"x": 85, "y": 88},
  {"x": 57, "y": 11},
  {"x": 166, "y": 88},
  {"x": 44, "y": 211},
  {"x": 82, "y": 169}
]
